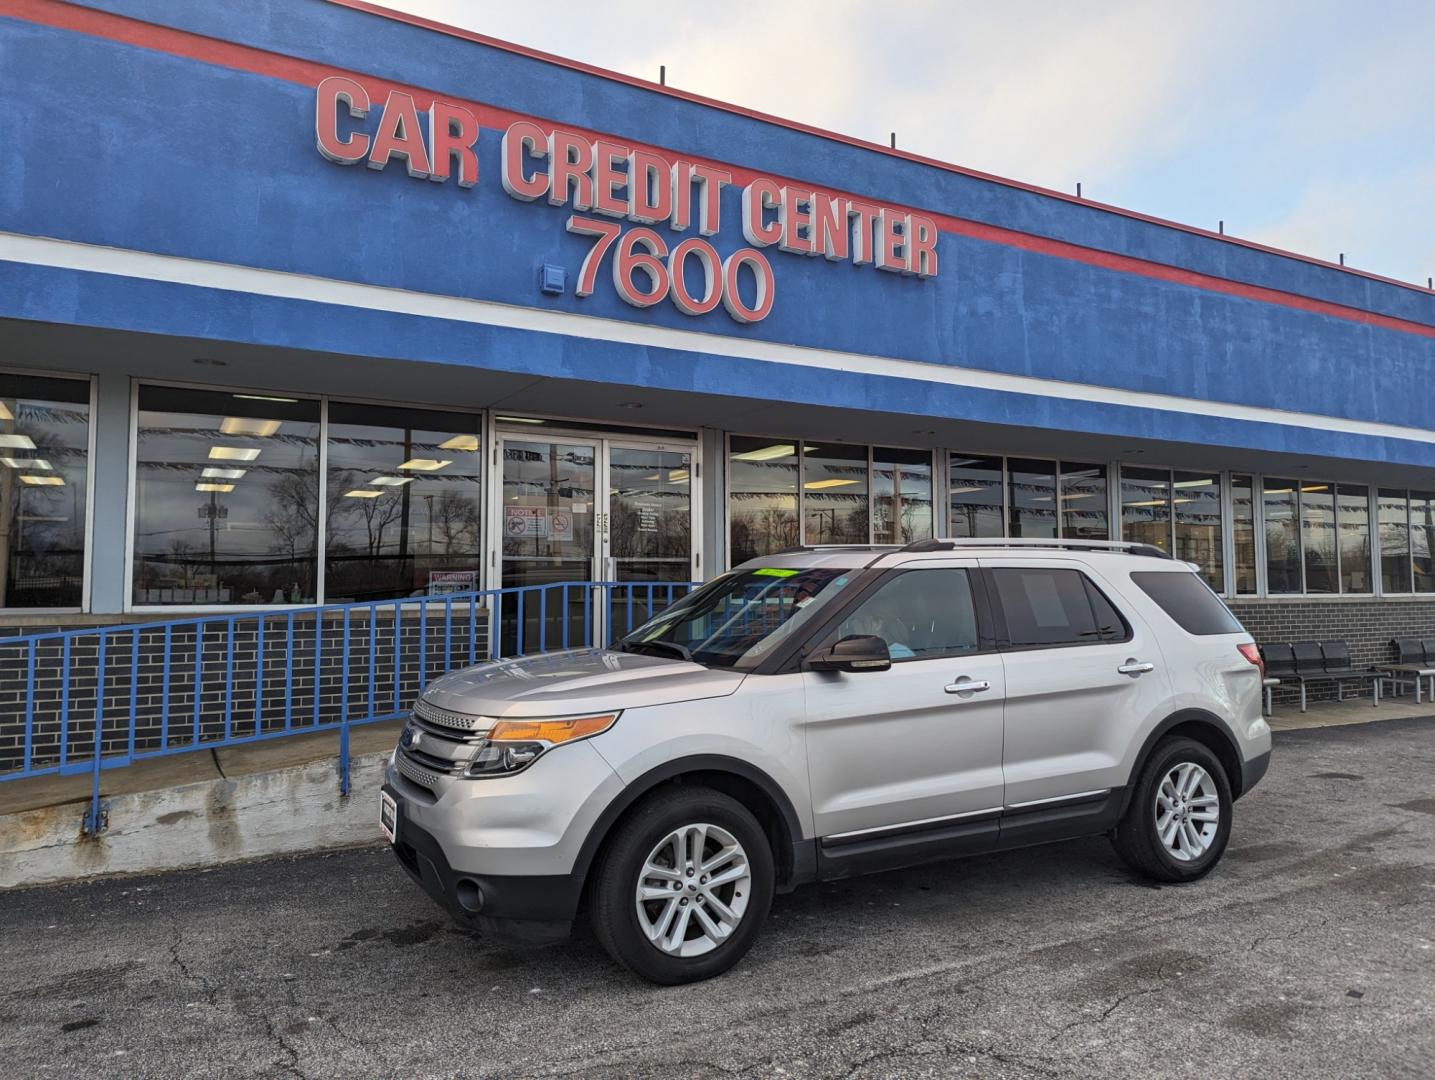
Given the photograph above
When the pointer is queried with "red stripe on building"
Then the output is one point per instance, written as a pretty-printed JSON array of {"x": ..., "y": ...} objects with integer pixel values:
[{"x": 183, "y": 43}]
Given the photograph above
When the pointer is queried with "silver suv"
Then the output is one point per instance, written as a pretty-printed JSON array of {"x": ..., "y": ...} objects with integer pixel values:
[{"x": 828, "y": 712}]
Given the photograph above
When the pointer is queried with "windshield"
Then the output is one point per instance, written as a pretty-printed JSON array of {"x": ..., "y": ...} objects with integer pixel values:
[{"x": 737, "y": 619}]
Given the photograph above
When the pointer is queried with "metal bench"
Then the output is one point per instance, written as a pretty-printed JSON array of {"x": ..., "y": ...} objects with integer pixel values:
[
  {"x": 1305, "y": 662},
  {"x": 1415, "y": 661}
]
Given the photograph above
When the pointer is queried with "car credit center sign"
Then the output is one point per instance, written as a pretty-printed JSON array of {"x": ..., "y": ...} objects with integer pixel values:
[{"x": 592, "y": 178}]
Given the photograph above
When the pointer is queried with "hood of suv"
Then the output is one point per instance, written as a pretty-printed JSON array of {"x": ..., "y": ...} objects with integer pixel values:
[{"x": 579, "y": 681}]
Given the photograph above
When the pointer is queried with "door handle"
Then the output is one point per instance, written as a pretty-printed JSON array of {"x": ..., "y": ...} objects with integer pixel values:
[
  {"x": 967, "y": 686},
  {"x": 1136, "y": 667}
]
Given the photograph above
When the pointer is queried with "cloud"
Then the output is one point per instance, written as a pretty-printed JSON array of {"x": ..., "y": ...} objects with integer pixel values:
[
  {"x": 1304, "y": 124},
  {"x": 1380, "y": 221}
]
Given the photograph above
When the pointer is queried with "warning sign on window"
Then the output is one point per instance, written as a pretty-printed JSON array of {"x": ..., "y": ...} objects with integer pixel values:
[{"x": 525, "y": 521}]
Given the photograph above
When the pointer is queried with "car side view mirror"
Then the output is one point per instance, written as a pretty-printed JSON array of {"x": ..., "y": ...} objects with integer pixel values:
[{"x": 855, "y": 653}]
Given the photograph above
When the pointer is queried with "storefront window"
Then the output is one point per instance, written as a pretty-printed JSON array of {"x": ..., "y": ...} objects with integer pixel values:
[
  {"x": 834, "y": 494},
  {"x": 901, "y": 495},
  {"x": 1393, "y": 509},
  {"x": 1317, "y": 516},
  {"x": 1196, "y": 502},
  {"x": 1032, "y": 495},
  {"x": 1083, "y": 501},
  {"x": 1243, "y": 532},
  {"x": 226, "y": 498},
  {"x": 1278, "y": 511},
  {"x": 1422, "y": 540},
  {"x": 1146, "y": 506},
  {"x": 404, "y": 509},
  {"x": 762, "y": 496},
  {"x": 1352, "y": 518},
  {"x": 44, "y": 459},
  {"x": 976, "y": 508}
]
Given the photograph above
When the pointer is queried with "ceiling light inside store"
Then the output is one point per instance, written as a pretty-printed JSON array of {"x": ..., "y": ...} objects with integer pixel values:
[
  {"x": 391, "y": 481},
  {"x": 362, "y": 493},
  {"x": 519, "y": 420},
  {"x": 1316, "y": 487},
  {"x": 222, "y": 488},
  {"x": 244, "y": 425},
  {"x": 820, "y": 485},
  {"x": 767, "y": 453},
  {"x": 42, "y": 481},
  {"x": 266, "y": 397},
  {"x": 1193, "y": 483},
  {"x": 212, "y": 473},
  {"x": 460, "y": 442},
  {"x": 232, "y": 453},
  {"x": 27, "y": 463},
  {"x": 17, "y": 442},
  {"x": 424, "y": 464},
  {"x": 966, "y": 490},
  {"x": 5, "y": 413}
]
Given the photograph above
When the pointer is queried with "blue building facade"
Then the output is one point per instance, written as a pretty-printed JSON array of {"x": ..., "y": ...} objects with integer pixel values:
[{"x": 304, "y": 301}]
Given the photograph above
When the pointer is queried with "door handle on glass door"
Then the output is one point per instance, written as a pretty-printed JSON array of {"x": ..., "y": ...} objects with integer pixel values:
[
  {"x": 967, "y": 686},
  {"x": 1136, "y": 667}
]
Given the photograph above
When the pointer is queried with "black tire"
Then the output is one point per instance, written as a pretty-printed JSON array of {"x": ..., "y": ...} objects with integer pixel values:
[
  {"x": 613, "y": 890},
  {"x": 1136, "y": 838}
]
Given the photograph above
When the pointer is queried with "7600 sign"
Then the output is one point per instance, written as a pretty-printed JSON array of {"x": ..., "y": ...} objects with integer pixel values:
[{"x": 642, "y": 253}]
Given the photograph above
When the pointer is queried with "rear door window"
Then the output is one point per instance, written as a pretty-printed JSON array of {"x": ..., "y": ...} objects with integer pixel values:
[
  {"x": 1189, "y": 601},
  {"x": 1050, "y": 607}
]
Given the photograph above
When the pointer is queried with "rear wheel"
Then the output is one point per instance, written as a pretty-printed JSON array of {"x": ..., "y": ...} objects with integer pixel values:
[
  {"x": 1179, "y": 819},
  {"x": 684, "y": 886}
]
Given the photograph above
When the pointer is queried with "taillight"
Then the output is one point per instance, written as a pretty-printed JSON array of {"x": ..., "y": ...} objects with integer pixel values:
[{"x": 1253, "y": 654}]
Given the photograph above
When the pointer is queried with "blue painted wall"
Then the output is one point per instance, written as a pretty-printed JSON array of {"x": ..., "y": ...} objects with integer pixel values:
[{"x": 117, "y": 145}]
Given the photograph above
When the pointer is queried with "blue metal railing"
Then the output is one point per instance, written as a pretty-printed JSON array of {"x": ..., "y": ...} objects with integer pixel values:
[{"x": 89, "y": 700}]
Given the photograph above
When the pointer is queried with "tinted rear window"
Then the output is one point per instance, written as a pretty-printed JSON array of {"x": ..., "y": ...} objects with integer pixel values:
[
  {"x": 1188, "y": 600},
  {"x": 1044, "y": 606}
]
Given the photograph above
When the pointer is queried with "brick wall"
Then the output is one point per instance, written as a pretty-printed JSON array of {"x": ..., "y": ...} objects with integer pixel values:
[{"x": 1367, "y": 626}]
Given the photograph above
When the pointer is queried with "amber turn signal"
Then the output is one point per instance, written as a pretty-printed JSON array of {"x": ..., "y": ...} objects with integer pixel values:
[{"x": 550, "y": 731}]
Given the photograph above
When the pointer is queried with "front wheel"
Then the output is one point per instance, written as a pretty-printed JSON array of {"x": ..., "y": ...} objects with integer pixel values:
[
  {"x": 684, "y": 886},
  {"x": 1179, "y": 817}
]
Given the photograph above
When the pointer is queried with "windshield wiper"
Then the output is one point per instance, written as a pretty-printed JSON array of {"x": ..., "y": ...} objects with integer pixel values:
[{"x": 671, "y": 647}]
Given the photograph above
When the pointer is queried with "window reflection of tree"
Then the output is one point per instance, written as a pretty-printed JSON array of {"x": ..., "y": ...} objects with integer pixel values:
[{"x": 42, "y": 526}]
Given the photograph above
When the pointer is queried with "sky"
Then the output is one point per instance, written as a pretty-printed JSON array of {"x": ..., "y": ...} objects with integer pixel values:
[{"x": 1309, "y": 126}]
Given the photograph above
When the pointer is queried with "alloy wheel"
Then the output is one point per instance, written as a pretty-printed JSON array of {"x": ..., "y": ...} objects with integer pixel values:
[
  {"x": 693, "y": 890},
  {"x": 1188, "y": 811}
]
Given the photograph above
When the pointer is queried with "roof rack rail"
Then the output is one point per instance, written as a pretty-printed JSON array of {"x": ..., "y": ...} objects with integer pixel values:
[
  {"x": 798, "y": 549},
  {"x": 1126, "y": 547}
]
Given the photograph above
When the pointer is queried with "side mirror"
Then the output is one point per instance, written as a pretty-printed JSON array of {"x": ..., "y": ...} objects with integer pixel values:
[{"x": 858, "y": 652}]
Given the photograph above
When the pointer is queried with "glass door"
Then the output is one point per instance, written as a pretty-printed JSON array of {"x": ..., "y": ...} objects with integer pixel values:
[
  {"x": 573, "y": 510},
  {"x": 649, "y": 532},
  {"x": 547, "y": 534}
]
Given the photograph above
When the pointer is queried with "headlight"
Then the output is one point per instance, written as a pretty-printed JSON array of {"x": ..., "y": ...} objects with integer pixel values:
[{"x": 513, "y": 745}]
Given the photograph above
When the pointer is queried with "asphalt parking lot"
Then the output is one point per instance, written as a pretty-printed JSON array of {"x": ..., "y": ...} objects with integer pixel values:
[{"x": 1309, "y": 952}]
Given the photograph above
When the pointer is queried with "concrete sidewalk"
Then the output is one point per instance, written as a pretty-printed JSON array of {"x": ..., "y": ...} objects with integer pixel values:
[
  {"x": 198, "y": 766},
  {"x": 197, "y": 809}
]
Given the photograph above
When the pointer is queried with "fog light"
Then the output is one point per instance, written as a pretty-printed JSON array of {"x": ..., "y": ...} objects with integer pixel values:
[{"x": 468, "y": 895}]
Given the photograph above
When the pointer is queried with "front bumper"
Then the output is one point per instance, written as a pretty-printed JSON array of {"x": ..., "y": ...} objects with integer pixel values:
[{"x": 533, "y": 909}]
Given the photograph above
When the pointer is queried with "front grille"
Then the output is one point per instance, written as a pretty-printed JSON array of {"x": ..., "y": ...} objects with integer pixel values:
[
  {"x": 445, "y": 719},
  {"x": 447, "y": 735},
  {"x": 411, "y": 770}
]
